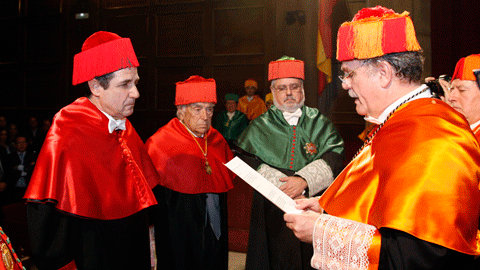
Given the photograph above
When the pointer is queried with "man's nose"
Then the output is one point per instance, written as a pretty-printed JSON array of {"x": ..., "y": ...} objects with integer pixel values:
[{"x": 135, "y": 93}]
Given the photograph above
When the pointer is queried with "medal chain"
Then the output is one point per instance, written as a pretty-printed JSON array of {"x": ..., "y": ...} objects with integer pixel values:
[
  {"x": 207, "y": 166},
  {"x": 370, "y": 138}
]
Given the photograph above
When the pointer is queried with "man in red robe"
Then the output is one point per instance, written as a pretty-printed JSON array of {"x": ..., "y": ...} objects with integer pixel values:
[
  {"x": 465, "y": 93},
  {"x": 189, "y": 155},
  {"x": 409, "y": 199},
  {"x": 93, "y": 180}
]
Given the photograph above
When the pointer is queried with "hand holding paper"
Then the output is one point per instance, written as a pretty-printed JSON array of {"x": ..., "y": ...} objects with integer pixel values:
[{"x": 263, "y": 186}]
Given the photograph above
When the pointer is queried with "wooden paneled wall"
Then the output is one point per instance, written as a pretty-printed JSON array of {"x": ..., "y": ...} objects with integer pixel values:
[{"x": 226, "y": 40}]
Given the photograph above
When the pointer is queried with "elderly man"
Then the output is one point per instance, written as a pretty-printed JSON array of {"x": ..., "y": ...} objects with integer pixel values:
[
  {"x": 298, "y": 150},
  {"x": 189, "y": 156},
  {"x": 93, "y": 179},
  {"x": 231, "y": 123},
  {"x": 409, "y": 199},
  {"x": 465, "y": 93},
  {"x": 251, "y": 105}
]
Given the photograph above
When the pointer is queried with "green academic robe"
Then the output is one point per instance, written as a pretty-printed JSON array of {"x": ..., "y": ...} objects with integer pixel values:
[
  {"x": 287, "y": 148},
  {"x": 231, "y": 128}
]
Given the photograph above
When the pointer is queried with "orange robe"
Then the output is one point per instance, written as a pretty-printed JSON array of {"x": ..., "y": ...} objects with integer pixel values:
[
  {"x": 252, "y": 109},
  {"x": 419, "y": 174}
]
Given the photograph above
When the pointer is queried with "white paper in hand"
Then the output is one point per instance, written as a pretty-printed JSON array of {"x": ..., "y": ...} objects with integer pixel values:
[{"x": 263, "y": 186}]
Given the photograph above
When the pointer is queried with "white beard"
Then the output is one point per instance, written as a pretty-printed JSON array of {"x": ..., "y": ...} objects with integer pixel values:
[{"x": 285, "y": 108}]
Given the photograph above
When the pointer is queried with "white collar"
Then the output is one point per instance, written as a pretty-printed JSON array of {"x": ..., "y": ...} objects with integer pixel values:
[
  {"x": 474, "y": 125},
  {"x": 114, "y": 124},
  {"x": 230, "y": 114},
  {"x": 292, "y": 118},
  {"x": 383, "y": 116}
]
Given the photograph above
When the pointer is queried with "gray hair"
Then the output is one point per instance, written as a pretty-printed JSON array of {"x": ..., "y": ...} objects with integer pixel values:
[
  {"x": 408, "y": 65},
  {"x": 273, "y": 82},
  {"x": 181, "y": 110}
]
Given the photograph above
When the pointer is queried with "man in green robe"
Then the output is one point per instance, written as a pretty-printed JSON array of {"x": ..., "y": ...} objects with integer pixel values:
[
  {"x": 297, "y": 149},
  {"x": 231, "y": 123}
]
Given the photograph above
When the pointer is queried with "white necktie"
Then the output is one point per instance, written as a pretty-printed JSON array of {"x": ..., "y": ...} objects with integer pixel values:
[
  {"x": 292, "y": 118},
  {"x": 116, "y": 125}
]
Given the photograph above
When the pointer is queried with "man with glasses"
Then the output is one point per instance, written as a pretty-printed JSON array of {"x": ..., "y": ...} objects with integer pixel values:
[
  {"x": 409, "y": 199},
  {"x": 298, "y": 150},
  {"x": 191, "y": 219}
]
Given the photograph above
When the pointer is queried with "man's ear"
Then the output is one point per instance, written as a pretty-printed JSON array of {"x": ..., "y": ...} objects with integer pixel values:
[
  {"x": 95, "y": 87},
  {"x": 387, "y": 73}
]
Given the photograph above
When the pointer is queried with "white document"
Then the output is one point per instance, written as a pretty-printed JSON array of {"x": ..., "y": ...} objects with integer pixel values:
[{"x": 263, "y": 186}]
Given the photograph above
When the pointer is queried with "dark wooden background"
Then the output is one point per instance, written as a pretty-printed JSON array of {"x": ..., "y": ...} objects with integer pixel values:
[{"x": 228, "y": 40}]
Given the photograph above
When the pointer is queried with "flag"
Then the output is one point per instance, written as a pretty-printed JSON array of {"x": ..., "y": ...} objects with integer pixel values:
[{"x": 324, "y": 42}]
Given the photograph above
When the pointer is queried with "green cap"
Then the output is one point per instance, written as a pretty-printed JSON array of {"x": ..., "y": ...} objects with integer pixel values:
[{"x": 231, "y": 96}]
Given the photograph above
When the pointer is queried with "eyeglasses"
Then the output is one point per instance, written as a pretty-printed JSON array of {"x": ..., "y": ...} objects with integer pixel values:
[
  {"x": 294, "y": 87},
  {"x": 350, "y": 74}
]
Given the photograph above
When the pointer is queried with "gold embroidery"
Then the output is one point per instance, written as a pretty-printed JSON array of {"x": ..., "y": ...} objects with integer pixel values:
[{"x": 7, "y": 257}]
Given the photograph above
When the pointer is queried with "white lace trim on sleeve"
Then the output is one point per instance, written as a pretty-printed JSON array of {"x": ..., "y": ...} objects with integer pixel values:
[
  {"x": 271, "y": 174},
  {"x": 318, "y": 176},
  {"x": 341, "y": 243}
]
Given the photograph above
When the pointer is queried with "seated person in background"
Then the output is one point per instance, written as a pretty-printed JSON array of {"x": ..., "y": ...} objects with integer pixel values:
[
  {"x": 4, "y": 146},
  {"x": 268, "y": 100},
  {"x": 250, "y": 104},
  {"x": 19, "y": 166},
  {"x": 230, "y": 123}
]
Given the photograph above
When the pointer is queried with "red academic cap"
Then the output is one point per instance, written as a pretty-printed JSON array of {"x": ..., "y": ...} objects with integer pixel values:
[
  {"x": 102, "y": 53},
  {"x": 286, "y": 67},
  {"x": 195, "y": 89},
  {"x": 465, "y": 66},
  {"x": 376, "y": 31}
]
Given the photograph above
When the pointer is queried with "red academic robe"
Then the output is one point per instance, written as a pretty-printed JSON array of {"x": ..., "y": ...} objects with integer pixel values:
[
  {"x": 90, "y": 172},
  {"x": 186, "y": 241},
  {"x": 87, "y": 193},
  {"x": 181, "y": 164}
]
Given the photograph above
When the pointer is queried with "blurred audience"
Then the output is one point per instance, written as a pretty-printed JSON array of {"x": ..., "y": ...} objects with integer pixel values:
[{"x": 19, "y": 166}]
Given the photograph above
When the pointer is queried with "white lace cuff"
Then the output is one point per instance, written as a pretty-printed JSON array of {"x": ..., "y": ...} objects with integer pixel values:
[
  {"x": 342, "y": 244},
  {"x": 271, "y": 174},
  {"x": 318, "y": 176}
]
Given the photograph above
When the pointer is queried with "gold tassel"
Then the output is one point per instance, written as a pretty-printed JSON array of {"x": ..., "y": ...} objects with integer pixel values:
[
  {"x": 411, "y": 39},
  {"x": 368, "y": 40}
]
